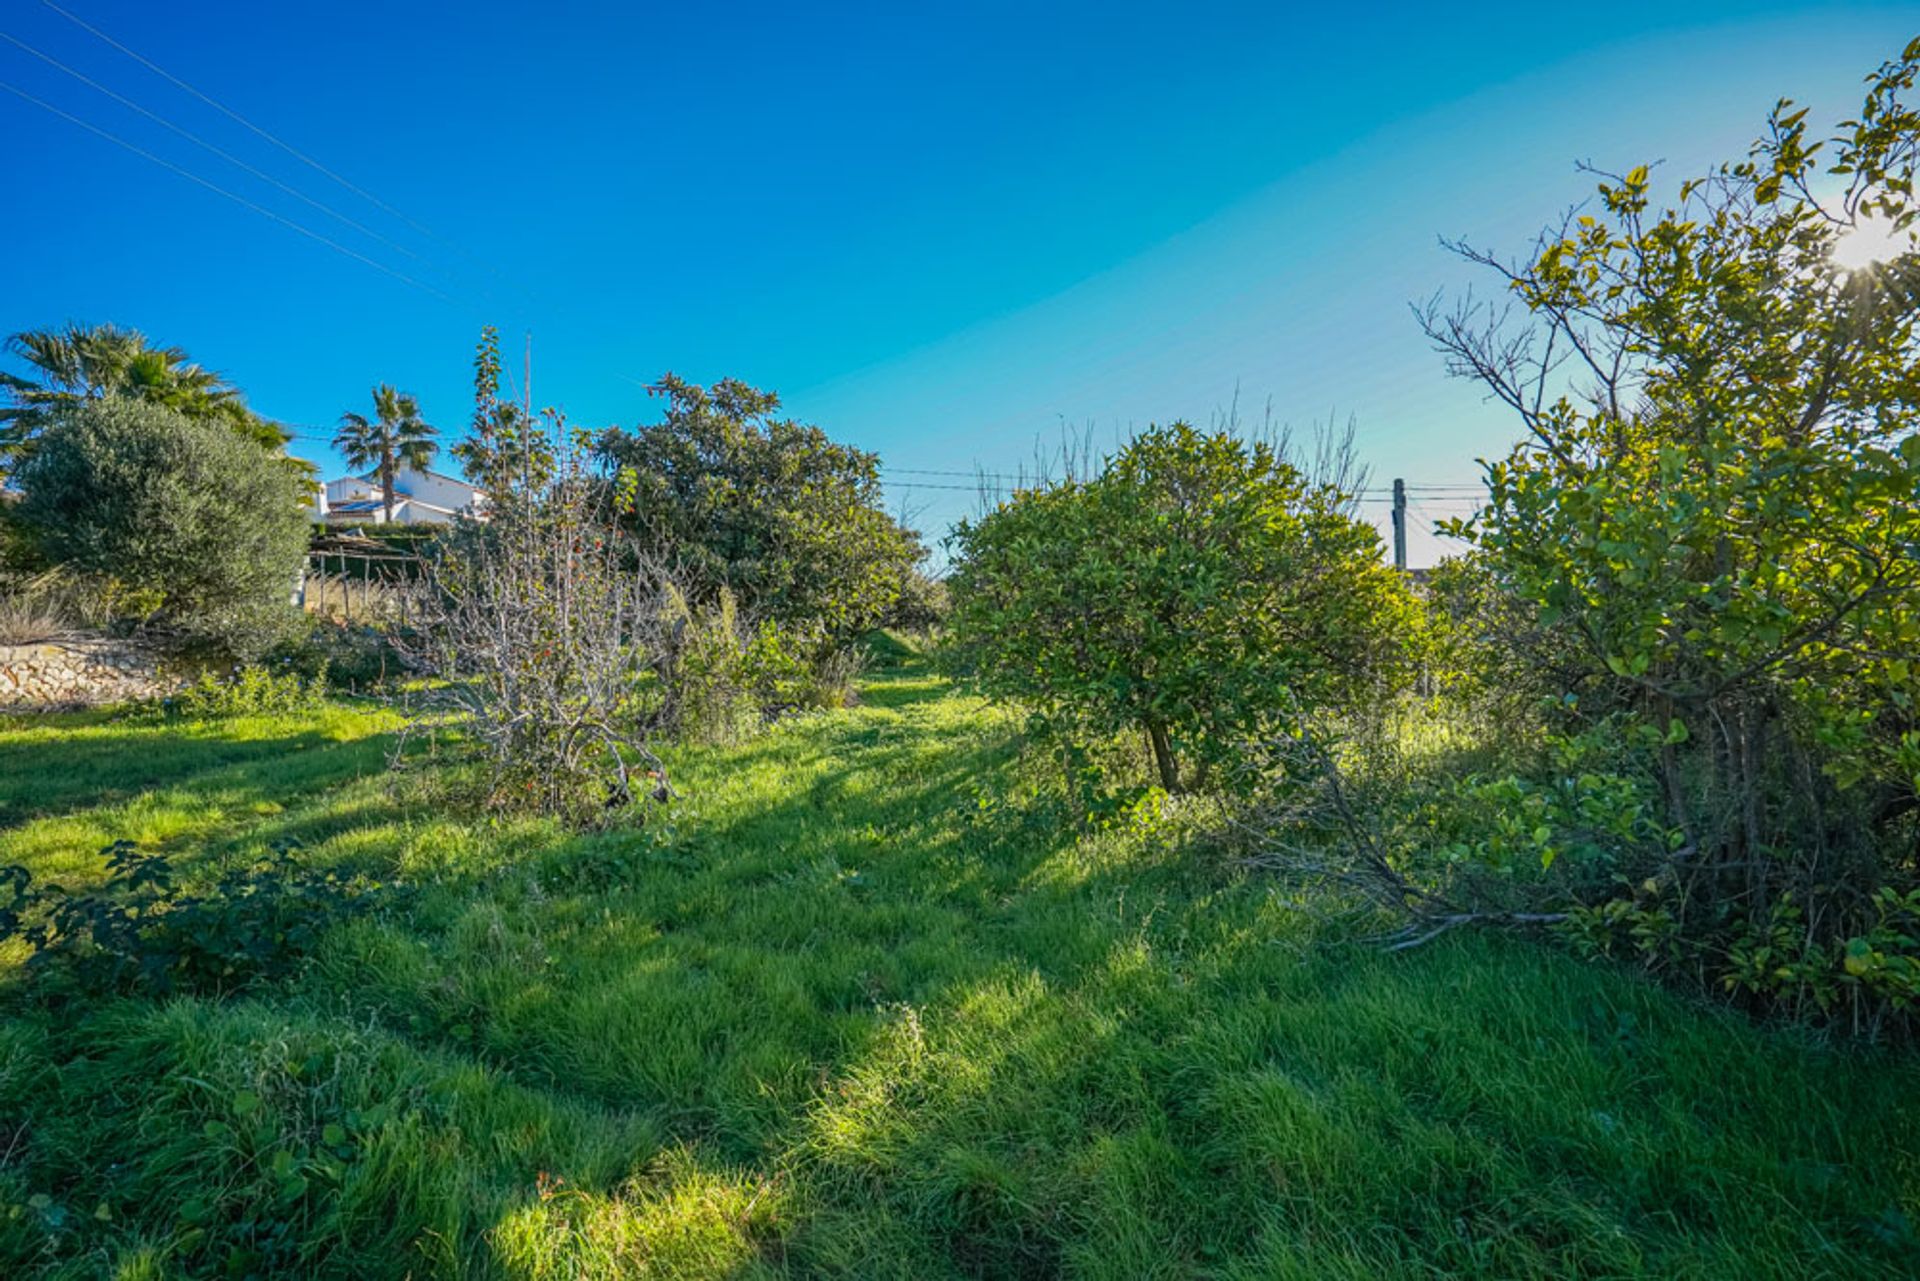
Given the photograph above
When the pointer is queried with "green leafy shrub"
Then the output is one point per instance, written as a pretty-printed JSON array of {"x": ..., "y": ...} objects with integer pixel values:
[
  {"x": 1200, "y": 591},
  {"x": 142, "y": 931},
  {"x": 1713, "y": 524},
  {"x": 732, "y": 495},
  {"x": 923, "y": 605},
  {"x": 722, "y": 679},
  {"x": 348, "y": 656},
  {"x": 247, "y": 691},
  {"x": 200, "y": 530}
]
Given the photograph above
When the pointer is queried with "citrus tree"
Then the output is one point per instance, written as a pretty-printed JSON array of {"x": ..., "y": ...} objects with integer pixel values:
[
  {"x": 1200, "y": 592},
  {"x": 1715, "y": 501}
]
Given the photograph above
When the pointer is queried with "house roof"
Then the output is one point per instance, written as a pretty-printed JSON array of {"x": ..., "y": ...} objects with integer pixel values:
[{"x": 373, "y": 477}]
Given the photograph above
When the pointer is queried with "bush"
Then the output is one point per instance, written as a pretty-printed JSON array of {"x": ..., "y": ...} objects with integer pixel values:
[
  {"x": 248, "y": 691},
  {"x": 722, "y": 679},
  {"x": 201, "y": 530},
  {"x": 348, "y": 656},
  {"x": 141, "y": 931},
  {"x": 786, "y": 519},
  {"x": 1200, "y": 591},
  {"x": 543, "y": 642},
  {"x": 833, "y": 678},
  {"x": 1713, "y": 528},
  {"x": 923, "y": 605}
]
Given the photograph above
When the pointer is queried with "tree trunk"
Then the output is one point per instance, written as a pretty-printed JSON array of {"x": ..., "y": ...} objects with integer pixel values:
[
  {"x": 386, "y": 482},
  {"x": 1163, "y": 756}
]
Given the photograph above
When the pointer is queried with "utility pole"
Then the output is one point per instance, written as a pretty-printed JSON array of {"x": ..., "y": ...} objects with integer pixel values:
[
  {"x": 526, "y": 386},
  {"x": 1399, "y": 524}
]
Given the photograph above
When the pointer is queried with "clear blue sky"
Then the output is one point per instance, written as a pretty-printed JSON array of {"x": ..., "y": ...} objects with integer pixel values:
[{"x": 940, "y": 231}]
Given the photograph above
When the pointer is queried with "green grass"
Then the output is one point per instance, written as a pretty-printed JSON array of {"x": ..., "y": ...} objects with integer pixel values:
[{"x": 847, "y": 1010}]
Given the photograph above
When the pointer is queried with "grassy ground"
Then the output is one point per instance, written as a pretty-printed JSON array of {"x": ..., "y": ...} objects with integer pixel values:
[{"x": 846, "y": 1011}]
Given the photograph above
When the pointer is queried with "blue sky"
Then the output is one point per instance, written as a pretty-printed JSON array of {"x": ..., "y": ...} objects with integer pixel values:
[{"x": 943, "y": 232}]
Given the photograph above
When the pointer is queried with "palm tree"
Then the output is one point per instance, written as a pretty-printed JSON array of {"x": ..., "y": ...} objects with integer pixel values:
[
  {"x": 395, "y": 433},
  {"x": 88, "y": 362}
]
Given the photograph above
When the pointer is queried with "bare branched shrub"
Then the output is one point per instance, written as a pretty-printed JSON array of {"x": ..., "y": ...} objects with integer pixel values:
[
  {"x": 1346, "y": 825},
  {"x": 542, "y": 639}
]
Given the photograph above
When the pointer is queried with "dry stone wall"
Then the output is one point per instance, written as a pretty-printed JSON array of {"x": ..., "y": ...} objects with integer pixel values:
[{"x": 83, "y": 672}]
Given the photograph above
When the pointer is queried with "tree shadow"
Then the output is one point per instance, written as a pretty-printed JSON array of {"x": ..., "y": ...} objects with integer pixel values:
[{"x": 48, "y": 774}]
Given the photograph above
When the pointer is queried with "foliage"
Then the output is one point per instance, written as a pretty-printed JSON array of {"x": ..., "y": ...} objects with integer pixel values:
[
  {"x": 88, "y": 362},
  {"x": 350, "y": 656},
  {"x": 195, "y": 528},
  {"x": 721, "y": 677},
  {"x": 395, "y": 436},
  {"x": 540, "y": 640},
  {"x": 1714, "y": 512},
  {"x": 247, "y": 691},
  {"x": 833, "y": 678},
  {"x": 143, "y": 931},
  {"x": 923, "y": 605},
  {"x": 863, "y": 1005},
  {"x": 1200, "y": 590},
  {"x": 504, "y": 452},
  {"x": 771, "y": 509}
]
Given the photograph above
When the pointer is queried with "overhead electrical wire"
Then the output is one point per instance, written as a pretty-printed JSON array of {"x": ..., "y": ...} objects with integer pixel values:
[
  {"x": 229, "y": 112},
  {"x": 198, "y": 141},
  {"x": 982, "y": 479},
  {"x": 282, "y": 144},
  {"x": 262, "y": 210}
]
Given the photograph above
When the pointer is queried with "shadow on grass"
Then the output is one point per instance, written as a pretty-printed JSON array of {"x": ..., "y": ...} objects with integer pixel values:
[
  {"x": 47, "y": 770},
  {"x": 964, "y": 1037}
]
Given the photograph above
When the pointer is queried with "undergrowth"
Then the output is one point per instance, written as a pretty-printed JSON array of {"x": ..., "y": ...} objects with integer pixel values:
[{"x": 863, "y": 1002}]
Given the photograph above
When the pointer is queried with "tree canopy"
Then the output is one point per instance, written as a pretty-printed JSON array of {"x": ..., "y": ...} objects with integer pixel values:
[
  {"x": 91, "y": 362},
  {"x": 785, "y": 518},
  {"x": 1200, "y": 590},
  {"x": 202, "y": 529},
  {"x": 1714, "y": 512}
]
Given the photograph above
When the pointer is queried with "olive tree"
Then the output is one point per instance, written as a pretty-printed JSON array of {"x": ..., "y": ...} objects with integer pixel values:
[
  {"x": 1200, "y": 591},
  {"x": 197, "y": 528}
]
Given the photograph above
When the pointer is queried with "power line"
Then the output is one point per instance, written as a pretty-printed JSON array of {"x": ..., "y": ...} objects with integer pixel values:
[
  {"x": 198, "y": 141},
  {"x": 239, "y": 200},
  {"x": 287, "y": 147},
  {"x": 234, "y": 115},
  {"x": 1442, "y": 492}
]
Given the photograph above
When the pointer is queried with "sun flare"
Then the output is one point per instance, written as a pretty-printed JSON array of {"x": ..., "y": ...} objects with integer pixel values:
[{"x": 1872, "y": 239}]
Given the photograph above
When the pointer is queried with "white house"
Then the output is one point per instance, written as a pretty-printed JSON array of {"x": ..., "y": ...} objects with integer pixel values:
[{"x": 419, "y": 498}]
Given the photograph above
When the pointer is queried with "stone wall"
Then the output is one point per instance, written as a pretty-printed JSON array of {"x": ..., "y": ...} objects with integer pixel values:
[{"x": 83, "y": 672}]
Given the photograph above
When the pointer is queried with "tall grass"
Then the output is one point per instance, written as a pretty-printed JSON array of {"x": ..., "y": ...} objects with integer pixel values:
[{"x": 853, "y": 1008}]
